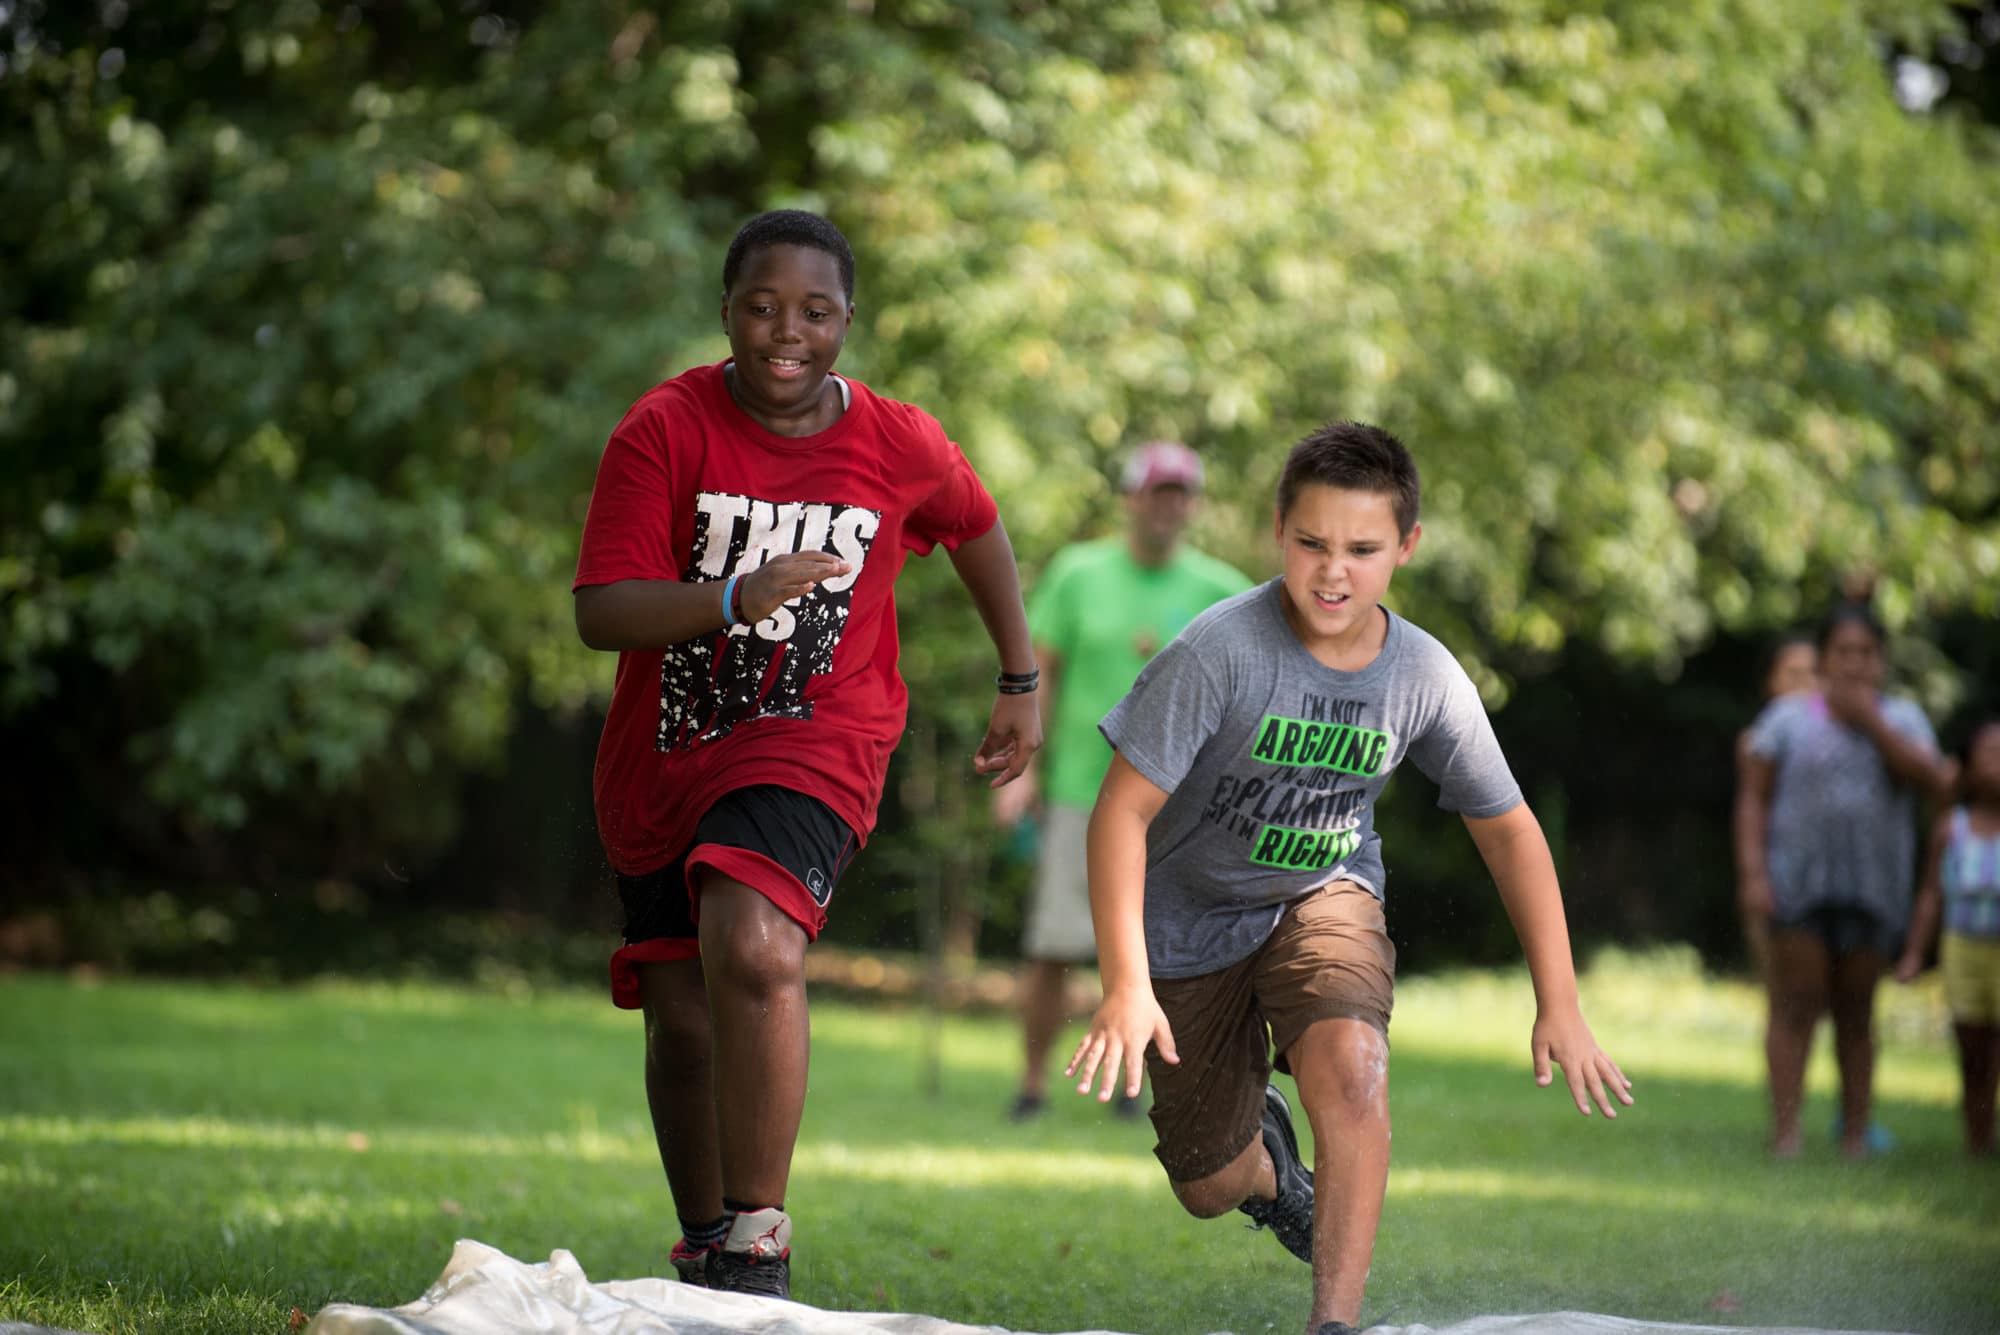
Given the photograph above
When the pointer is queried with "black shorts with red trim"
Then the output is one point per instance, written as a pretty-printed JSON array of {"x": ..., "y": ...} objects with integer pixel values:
[{"x": 788, "y": 847}]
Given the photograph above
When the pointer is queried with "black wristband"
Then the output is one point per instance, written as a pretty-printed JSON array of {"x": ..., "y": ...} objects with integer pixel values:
[{"x": 1018, "y": 683}]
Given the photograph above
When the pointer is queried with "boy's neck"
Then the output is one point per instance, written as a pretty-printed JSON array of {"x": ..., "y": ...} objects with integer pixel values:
[{"x": 1349, "y": 652}]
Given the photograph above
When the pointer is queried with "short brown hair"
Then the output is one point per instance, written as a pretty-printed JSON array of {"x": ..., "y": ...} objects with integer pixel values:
[{"x": 1354, "y": 456}]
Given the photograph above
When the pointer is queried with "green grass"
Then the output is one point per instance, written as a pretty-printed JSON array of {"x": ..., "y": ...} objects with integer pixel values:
[{"x": 201, "y": 1157}]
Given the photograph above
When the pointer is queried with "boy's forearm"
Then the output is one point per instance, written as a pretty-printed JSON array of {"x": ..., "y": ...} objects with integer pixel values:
[
  {"x": 647, "y": 613},
  {"x": 1117, "y": 868},
  {"x": 985, "y": 565},
  {"x": 1517, "y": 855}
]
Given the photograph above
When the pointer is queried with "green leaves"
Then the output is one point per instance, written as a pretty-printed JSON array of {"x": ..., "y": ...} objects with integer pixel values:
[{"x": 315, "y": 321}]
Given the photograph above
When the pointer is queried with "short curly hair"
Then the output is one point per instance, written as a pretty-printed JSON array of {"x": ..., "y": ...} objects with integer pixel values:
[{"x": 788, "y": 227}]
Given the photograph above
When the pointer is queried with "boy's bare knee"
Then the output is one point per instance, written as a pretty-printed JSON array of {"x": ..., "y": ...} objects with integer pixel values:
[
  {"x": 680, "y": 1032},
  {"x": 1226, "y": 1188},
  {"x": 1208, "y": 1197},
  {"x": 1342, "y": 1067},
  {"x": 674, "y": 999},
  {"x": 748, "y": 944}
]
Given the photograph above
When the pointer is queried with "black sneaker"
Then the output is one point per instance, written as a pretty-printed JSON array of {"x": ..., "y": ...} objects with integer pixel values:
[
  {"x": 1026, "y": 1108},
  {"x": 1290, "y": 1216},
  {"x": 756, "y": 1257},
  {"x": 1337, "y": 1328}
]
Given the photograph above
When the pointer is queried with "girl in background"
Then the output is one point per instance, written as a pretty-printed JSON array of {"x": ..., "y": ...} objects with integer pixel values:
[
  {"x": 1961, "y": 886},
  {"x": 1790, "y": 666},
  {"x": 1826, "y": 854}
]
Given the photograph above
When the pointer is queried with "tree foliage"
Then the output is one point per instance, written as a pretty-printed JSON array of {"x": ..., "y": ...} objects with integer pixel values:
[{"x": 314, "y": 317}]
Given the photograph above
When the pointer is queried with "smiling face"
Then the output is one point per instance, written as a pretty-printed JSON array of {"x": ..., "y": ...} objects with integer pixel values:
[
  {"x": 1340, "y": 547},
  {"x": 787, "y": 316}
]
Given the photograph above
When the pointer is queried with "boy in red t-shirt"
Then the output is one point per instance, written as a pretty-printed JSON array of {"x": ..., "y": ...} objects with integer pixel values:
[{"x": 742, "y": 546}]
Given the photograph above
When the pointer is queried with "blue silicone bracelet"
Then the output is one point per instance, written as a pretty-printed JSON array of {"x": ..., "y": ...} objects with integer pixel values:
[{"x": 729, "y": 600}]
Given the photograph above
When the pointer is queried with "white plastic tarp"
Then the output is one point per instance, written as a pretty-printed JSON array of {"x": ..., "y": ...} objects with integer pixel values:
[{"x": 484, "y": 1291}]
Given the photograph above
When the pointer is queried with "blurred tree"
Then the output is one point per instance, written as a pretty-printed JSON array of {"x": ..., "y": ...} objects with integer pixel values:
[
  {"x": 317, "y": 321},
  {"x": 1960, "y": 70},
  {"x": 314, "y": 317}
]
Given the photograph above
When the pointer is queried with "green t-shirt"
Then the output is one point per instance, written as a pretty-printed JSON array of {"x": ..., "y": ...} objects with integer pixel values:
[{"x": 1106, "y": 615}]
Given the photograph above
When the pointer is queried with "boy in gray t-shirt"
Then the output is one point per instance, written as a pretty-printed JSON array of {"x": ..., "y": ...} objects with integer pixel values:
[{"x": 1236, "y": 876}]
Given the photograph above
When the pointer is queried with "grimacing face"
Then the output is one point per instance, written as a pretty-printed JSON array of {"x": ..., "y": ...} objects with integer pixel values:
[{"x": 1340, "y": 549}]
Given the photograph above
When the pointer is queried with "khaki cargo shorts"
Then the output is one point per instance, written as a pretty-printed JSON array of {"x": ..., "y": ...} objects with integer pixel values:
[
  {"x": 1059, "y": 915},
  {"x": 1329, "y": 958}
]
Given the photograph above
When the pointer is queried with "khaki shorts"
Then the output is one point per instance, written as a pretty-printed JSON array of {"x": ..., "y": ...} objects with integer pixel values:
[
  {"x": 1329, "y": 958},
  {"x": 1971, "y": 966},
  {"x": 1059, "y": 917}
]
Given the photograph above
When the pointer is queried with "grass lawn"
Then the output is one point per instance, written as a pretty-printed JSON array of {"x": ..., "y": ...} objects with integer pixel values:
[{"x": 195, "y": 1157}]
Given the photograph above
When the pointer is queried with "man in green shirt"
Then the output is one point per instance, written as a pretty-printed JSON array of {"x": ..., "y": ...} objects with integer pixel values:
[{"x": 1100, "y": 610}]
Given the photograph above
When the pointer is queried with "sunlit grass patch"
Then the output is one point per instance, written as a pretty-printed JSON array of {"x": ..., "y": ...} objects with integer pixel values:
[
  {"x": 1659, "y": 1014},
  {"x": 208, "y": 1157}
]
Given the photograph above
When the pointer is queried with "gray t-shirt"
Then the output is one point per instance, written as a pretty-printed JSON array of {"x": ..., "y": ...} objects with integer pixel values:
[
  {"x": 1841, "y": 830},
  {"x": 1272, "y": 762}
]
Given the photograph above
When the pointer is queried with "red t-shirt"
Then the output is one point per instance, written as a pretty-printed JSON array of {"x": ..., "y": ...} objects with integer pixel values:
[{"x": 692, "y": 488}]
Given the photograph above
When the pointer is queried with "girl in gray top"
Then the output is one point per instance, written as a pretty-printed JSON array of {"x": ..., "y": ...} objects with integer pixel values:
[{"x": 1826, "y": 852}]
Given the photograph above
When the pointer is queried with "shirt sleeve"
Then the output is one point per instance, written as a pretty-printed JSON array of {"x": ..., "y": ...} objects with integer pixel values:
[
  {"x": 1908, "y": 718},
  {"x": 1771, "y": 734},
  {"x": 1229, "y": 581},
  {"x": 629, "y": 530},
  {"x": 1459, "y": 753},
  {"x": 958, "y": 509},
  {"x": 1167, "y": 717},
  {"x": 1052, "y": 605}
]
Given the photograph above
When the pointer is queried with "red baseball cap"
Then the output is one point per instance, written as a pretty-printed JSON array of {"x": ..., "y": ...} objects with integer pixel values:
[{"x": 1162, "y": 463}]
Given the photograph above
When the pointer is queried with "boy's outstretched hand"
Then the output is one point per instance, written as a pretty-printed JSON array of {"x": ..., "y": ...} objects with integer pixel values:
[
  {"x": 783, "y": 578},
  {"x": 1013, "y": 735},
  {"x": 1565, "y": 1040},
  {"x": 1128, "y": 1020}
]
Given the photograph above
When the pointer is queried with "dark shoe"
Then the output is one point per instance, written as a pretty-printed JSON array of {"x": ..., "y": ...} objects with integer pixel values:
[
  {"x": 1290, "y": 1216},
  {"x": 1026, "y": 1108},
  {"x": 1337, "y": 1328},
  {"x": 1129, "y": 1108},
  {"x": 692, "y": 1262},
  {"x": 756, "y": 1257}
]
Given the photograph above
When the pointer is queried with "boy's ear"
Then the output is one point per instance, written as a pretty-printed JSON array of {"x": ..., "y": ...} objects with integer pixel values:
[
  {"x": 1278, "y": 525},
  {"x": 1408, "y": 548}
]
